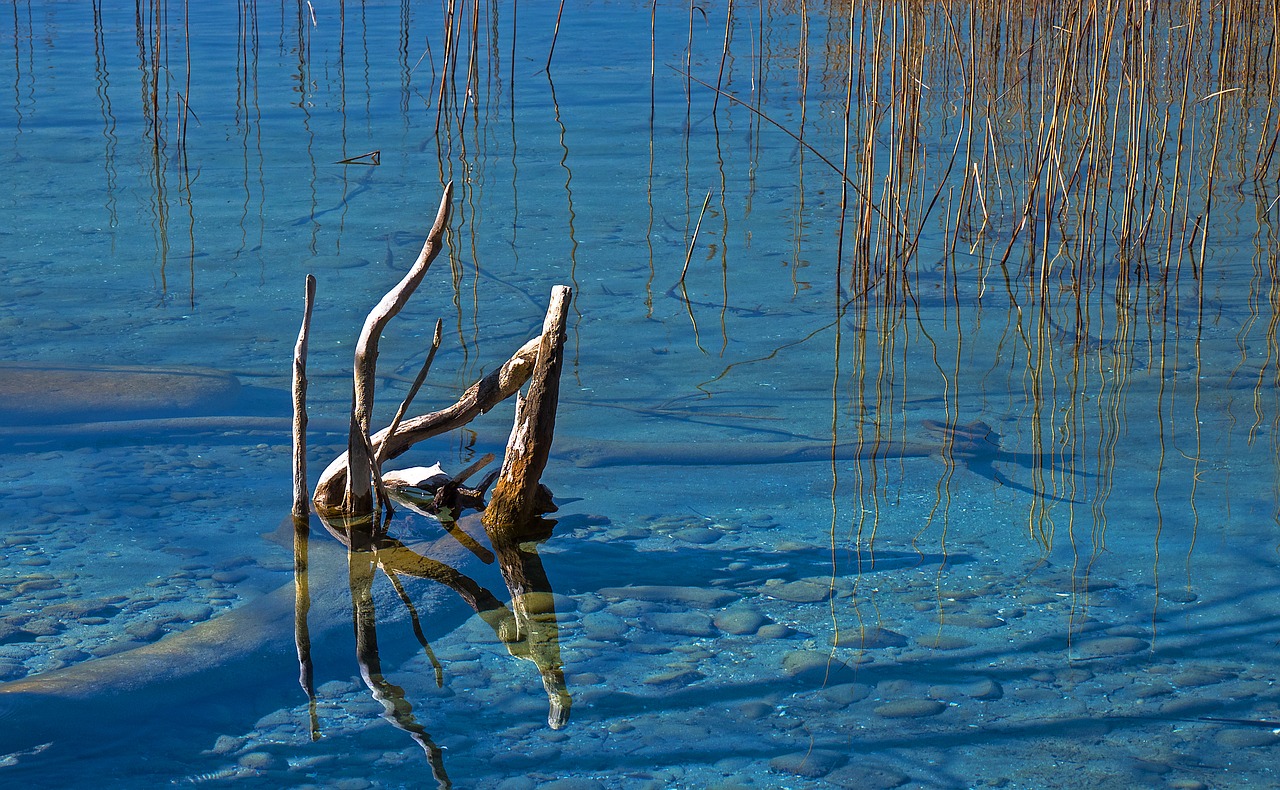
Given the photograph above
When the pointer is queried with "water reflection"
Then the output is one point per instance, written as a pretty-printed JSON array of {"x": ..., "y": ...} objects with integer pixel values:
[{"x": 528, "y": 627}]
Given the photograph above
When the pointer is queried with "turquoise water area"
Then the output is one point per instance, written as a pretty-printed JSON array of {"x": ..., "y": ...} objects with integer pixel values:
[{"x": 961, "y": 471}]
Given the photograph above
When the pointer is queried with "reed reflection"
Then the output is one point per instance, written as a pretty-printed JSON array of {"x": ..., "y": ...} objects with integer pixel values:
[{"x": 102, "y": 84}]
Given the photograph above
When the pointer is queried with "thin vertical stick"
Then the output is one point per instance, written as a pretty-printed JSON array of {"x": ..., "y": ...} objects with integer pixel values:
[
  {"x": 302, "y": 512},
  {"x": 413, "y": 390},
  {"x": 554, "y": 35},
  {"x": 694, "y": 241},
  {"x": 301, "y": 493}
]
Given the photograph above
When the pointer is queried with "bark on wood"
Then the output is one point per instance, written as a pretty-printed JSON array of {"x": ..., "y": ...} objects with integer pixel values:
[
  {"x": 359, "y": 499},
  {"x": 516, "y": 493},
  {"x": 301, "y": 501},
  {"x": 478, "y": 399}
]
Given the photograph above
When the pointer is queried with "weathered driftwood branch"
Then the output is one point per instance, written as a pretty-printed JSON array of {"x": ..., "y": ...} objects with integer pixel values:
[
  {"x": 417, "y": 385},
  {"x": 301, "y": 502},
  {"x": 359, "y": 499},
  {"x": 479, "y": 398},
  {"x": 515, "y": 496}
]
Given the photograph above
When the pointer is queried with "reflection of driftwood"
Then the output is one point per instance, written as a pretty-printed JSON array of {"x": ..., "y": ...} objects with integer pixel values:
[
  {"x": 301, "y": 624},
  {"x": 529, "y": 628},
  {"x": 534, "y": 606},
  {"x": 359, "y": 499},
  {"x": 395, "y": 708}
]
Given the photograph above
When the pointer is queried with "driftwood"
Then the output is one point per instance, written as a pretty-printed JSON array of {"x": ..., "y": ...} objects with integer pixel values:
[
  {"x": 359, "y": 498},
  {"x": 512, "y": 521},
  {"x": 302, "y": 513},
  {"x": 301, "y": 501},
  {"x": 479, "y": 398},
  {"x": 344, "y": 499},
  {"x": 515, "y": 497}
]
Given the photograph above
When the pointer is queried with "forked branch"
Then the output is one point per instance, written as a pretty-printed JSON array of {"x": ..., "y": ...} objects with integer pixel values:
[{"x": 359, "y": 499}]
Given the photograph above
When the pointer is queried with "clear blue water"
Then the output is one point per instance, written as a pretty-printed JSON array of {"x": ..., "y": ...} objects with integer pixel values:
[{"x": 1083, "y": 596}]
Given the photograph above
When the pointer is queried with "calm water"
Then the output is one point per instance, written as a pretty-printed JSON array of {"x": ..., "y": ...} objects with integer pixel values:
[{"x": 971, "y": 494}]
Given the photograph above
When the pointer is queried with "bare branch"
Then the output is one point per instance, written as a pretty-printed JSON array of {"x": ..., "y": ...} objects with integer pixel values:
[{"x": 358, "y": 488}]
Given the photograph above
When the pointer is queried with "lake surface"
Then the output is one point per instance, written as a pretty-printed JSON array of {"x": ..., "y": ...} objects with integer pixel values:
[{"x": 949, "y": 461}]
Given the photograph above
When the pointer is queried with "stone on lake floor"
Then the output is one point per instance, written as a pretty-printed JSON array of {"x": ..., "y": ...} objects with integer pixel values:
[
  {"x": 1112, "y": 646},
  {"x": 869, "y": 638},
  {"x": 811, "y": 764},
  {"x": 817, "y": 666},
  {"x": 696, "y": 597},
  {"x": 964, "y": 620},
  {"x": 681, "y": 623},
  {"x": 910, "y": 708},
  {"x": 699, "y": 535},
  {"x": 1246, "y": 737},
  {"x": 798, "y": 592},
  {"x": 739, "y": 620},
  {"x": 866, "y": 777}
]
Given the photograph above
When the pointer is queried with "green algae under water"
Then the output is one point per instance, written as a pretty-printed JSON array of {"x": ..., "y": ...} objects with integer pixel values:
[{"x": 1067, "y": 581}]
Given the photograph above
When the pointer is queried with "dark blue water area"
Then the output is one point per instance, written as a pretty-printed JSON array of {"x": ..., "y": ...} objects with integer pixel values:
[{"x": 976, "y": 520}]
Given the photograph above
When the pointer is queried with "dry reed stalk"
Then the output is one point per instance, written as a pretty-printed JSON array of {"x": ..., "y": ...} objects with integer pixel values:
[
  {"x": 694, "y": 241},
  {"x": 555, "y": 34},
  {"x": 724, "y": 55}
]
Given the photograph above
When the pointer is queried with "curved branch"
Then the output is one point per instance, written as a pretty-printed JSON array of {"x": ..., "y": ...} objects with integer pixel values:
[
  {"x": 478, "y": 399},
  {"x": 358, "y": 487}
]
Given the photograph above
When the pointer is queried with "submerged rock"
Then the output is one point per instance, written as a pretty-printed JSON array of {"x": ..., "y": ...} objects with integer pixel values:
[
  {"x": 910, "y": 708},
  {"x": 739, "y": 621},
  {"x": 811, "y": 764},
  {"x": 696, "y": 597}
]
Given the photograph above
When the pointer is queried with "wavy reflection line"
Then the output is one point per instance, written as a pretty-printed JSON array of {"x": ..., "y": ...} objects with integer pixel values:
[
  {"x": 18, "y": 39},
  {"x": 102, "y": 86},
  {"x": 302, "y": 76},
  {"x": 396, "y": 709},
  {"x": 573, "y": 236},
  {"x": 301, "y": 610},
  {"x": 342, "y": 123},
  {"x": 648, "y": 191},
  {"x": 149, "y": 31}
]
